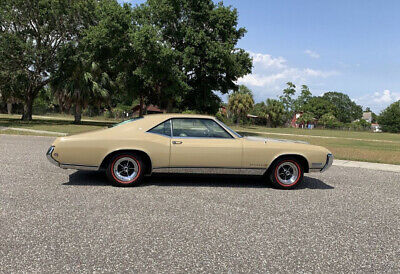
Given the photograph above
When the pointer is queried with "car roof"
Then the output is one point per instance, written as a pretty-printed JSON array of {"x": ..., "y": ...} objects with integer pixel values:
[{"x": 177, "y": 115}]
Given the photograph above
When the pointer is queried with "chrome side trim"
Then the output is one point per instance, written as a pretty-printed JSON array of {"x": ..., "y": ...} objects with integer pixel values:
[
  {"x": 80, "y": 167},
  {"x": 317, "y": 165},
  {"x": 310, "y": 170},
  {"x": 211, "y": 170},
  {"x": 329, "y": 162},
  {"x": 50, "y": 157}
]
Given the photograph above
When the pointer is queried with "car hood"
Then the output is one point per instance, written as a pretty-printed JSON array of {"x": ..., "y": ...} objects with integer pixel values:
[{"x": 266, "y": 140}]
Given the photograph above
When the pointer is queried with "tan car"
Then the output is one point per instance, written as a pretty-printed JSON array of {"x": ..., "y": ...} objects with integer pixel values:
[{"x": 176, "y": 143}]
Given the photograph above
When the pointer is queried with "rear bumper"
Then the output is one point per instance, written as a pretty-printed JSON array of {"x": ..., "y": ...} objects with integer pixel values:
[{"x": 49, "y": 156}]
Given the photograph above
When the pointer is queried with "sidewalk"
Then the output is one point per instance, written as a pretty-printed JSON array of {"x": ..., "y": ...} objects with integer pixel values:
[{"x": 367, "y": 165}]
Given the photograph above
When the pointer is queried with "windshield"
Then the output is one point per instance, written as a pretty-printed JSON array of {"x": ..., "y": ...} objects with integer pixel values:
[
  {"x": 127, "y": 121},
  {"x": 231, "y": 130}
]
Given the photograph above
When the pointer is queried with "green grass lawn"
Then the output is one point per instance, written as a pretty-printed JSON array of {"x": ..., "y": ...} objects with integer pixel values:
[
  {"x": 56, "y": 124},
  {"x": 367, "y": 135},
  {"x": 347, "y": 145}
]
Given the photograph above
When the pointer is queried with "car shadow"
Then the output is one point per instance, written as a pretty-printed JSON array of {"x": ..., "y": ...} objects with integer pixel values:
[{"x": 98, "y": 178}]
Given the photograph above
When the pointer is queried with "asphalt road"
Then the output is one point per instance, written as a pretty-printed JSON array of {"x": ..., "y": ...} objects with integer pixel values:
[{"x": 54, "y": 220}]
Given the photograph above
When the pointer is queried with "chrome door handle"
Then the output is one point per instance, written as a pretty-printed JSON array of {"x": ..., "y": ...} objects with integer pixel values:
[{"x": 177, "y": 142}]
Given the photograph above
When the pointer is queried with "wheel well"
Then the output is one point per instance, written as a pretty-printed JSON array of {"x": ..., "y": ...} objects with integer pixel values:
[
  {"x": 302, "y": 160},
  {"x": 146, "y": 159}
]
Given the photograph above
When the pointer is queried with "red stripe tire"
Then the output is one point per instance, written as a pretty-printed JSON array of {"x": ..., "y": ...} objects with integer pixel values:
[
  {"x": 286, "y": 173},
  {"x": 125, "y": 169}
]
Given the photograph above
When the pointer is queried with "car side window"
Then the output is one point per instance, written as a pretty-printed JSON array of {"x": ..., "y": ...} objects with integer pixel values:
[
  {"x": 163, "y": 129},
  {"x": 198, "y": 128}
]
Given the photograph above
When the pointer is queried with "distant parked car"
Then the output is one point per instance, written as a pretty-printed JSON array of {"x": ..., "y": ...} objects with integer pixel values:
[{"x": 177, "y": 143}]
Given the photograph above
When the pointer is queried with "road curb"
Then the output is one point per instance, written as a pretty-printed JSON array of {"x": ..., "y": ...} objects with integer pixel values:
[{"x": 367, "y": 165}]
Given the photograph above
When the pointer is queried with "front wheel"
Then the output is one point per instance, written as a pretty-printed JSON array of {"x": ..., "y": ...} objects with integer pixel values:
[
  {"x": 125, "y": 170},
  {"x": 286, "y": 173}
]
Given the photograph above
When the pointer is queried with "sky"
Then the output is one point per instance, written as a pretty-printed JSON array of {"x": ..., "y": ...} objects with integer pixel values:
[{"x": 346, "y": 46}]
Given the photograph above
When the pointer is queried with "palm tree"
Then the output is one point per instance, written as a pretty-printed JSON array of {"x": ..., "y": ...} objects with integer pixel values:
[
  {"x": 79, "y": 83},
  {"x": 240, "y": 104},
  {"x": 275, "y": 112}
]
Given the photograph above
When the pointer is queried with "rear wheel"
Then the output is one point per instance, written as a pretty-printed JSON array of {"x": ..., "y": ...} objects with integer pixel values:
[
  {"x": 125, "y": 170},
  {"x": 286, "y": 173}
]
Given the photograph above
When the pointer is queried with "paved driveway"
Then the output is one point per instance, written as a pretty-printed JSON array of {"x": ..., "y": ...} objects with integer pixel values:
[{"x": 54, "y": 220}]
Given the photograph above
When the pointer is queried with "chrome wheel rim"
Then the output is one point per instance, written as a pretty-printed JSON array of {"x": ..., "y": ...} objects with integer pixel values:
[
  {"x": 287, "y": 173},
  {"x": 126, "y": 169}
]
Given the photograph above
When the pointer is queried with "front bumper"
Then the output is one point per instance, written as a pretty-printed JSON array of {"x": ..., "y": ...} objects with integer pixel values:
[
  {"x": 50, "y": 157},
  {"x": 329, "y": 162}
]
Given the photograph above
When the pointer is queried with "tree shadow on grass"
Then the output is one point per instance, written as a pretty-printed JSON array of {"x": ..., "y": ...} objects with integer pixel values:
[
  {"x": 90, "y": 178},
  {"x": 9, "y": 122}
]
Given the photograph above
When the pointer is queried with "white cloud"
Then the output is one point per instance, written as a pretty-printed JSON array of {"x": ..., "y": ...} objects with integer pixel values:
[
  {"x": 267, "y": 61},
  {"x": 386, "y": 97},
  {"x": 311, "y": 53},
  {"x": 379, "y": 100},
  {"x": 270, "y": 75}
]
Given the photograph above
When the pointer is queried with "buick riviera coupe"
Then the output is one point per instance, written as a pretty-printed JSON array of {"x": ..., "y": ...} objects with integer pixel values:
[{"x": 176, "y": 143}]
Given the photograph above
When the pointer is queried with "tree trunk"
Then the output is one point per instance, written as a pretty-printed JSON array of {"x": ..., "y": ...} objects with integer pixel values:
[
  {"x": 170, "y": 105},
  {"x": 28, "y": 106},
  {"x": 9, "y": 108},
  {"x": 78, "y": 113},
  {"x": 141, "y": 106}
]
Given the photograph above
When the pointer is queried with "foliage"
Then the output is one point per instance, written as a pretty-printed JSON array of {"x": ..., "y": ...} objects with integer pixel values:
[
  {"x": 318, "y": 106},
  {"x": 240, "y": 104},
  {"x": 31, "y": 34},
  {"x": 345, "y": 110},
  {"x": 306, "y": 118},
  {"x": 260, "y": 110},
  {"x": 389, "y": 119},
  {"x": 360, "y": 125},
  {"x": 203, "y": 36},
  {"x": 328, "y": 120},
  {"x": 287, "y": 98},
  {"x": 275, "y": 112},
  {"x": 303, "y": 99}
]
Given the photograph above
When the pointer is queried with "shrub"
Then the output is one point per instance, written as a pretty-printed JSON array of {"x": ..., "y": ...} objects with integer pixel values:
[{"x": 389, "y": 119}]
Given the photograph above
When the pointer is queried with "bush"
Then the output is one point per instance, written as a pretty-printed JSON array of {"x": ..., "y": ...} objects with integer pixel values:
[
  {"x": 360, "y": 125},
  {"x": 188, "y": 111},
  {"x": 389, "y": 119},
  {"x": 40, "y": 106},
  {"x": 109, "y": 114}
]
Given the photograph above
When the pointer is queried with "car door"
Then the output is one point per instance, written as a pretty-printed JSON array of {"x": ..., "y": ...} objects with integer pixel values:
[{"x": 198, "y": 142}]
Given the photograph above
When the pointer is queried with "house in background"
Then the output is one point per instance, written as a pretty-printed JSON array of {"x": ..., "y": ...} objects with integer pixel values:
[
  {"x": 150, "y": 109},
  {"x": 375, "y": 128},
  {"x": 294, "y": 122}
]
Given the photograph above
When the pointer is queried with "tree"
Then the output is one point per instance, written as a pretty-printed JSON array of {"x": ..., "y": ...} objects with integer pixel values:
[
  {"x": 81, "y": 82},
  {"x": 374, "y": 116},
  {"x": 306, "y": 118},
  {"x": 132, "y": 51},
  {"x": 346, "y": 110},
  {"x": 260, "y": 110},
  {"x": 318, "y": 106},
  {"x": 328, "y": 120},
  {"x": 31, "y": 34},
  {"x": 276, "y": 112},
  {"x": 203, "y": 36},
  {"x": 287, "y": 97},
  {"x": 389, "y": 119},
  {"x": 244, "y": 90},
  {"x": 303, "y": 99},
  {"x": 240, "y": 104}
]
